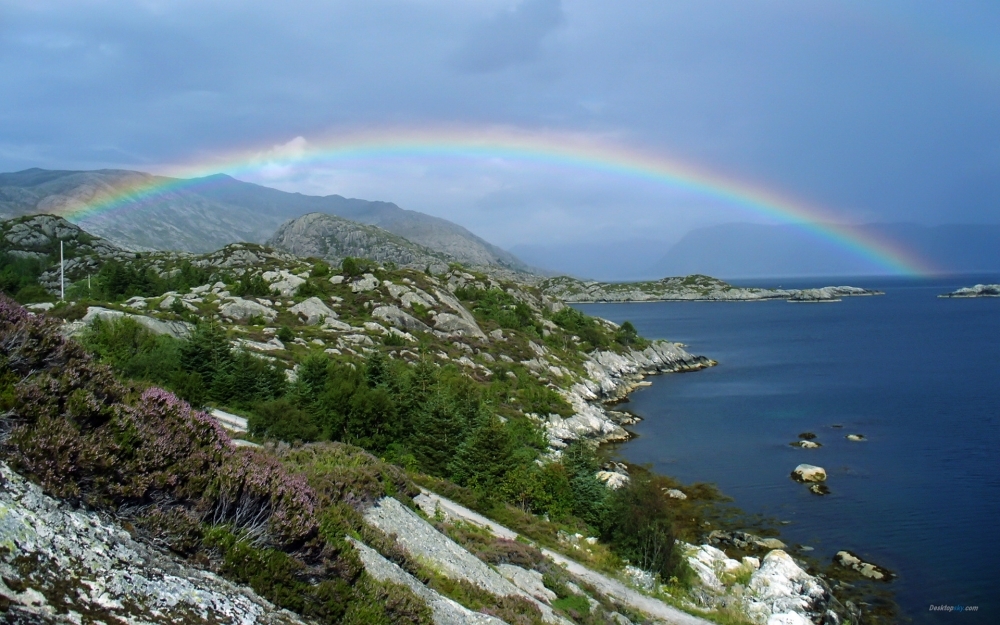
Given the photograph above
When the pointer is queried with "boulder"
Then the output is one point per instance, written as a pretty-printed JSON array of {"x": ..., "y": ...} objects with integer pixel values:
[
  {"x": 806, "y": 444},
  {"x": 455, "y": 325},
  {"x": 780, "y": 587},
  {"x": 848, "y": 560},
  {"x": 855, "y": 437},
  {"x": 527, "y": 580},
  {"x": 673, "y": 493},
  {"x": 613, "y": 479},
  {"x": 711, "y": 565},
  {"x": 240, "y": 309},
  {"x": 365, "y": 283},
  {"x": 809, "y": 473},
  {"x": 284, "y": 282},
  {"x": 176, "y": 329},
  {"x": 398, "y": 318},
  {"x": 312, "y": 311},
  {"x": 338, "y": 326}
]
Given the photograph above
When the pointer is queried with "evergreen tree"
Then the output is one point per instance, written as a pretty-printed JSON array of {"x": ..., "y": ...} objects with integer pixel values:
[
  {"x": 483, "y": 460},
  {"x": 438, "y": 431},
  {"x": 207, "y": 352}
]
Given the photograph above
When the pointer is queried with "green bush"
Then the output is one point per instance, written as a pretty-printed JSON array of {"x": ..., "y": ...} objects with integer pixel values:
[
  {"x": 499, "y": 306},
  {"x": 587, "y": 328},
  {"x": 252, "y": 285}
]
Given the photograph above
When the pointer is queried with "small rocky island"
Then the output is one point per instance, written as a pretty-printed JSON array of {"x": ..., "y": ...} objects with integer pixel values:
[
  {"x": 695, "y": 287},
  {"x": 980, "y": 290}
]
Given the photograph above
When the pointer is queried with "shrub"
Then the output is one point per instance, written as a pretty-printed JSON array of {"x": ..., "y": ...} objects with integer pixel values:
[
  {"x": 252, "y": 285},
  {"x": 587, "y": 328}
]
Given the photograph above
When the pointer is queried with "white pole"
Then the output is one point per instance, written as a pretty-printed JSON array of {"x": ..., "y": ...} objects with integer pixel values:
[{"x": 62, "y": 274}]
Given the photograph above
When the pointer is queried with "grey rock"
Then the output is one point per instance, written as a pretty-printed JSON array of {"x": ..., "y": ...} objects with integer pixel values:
[
  {"x": 284, "y": 282},
  {"x": 399, "y": 319},
  {"x": 365, "y": 283},
  {"x": 73, "y": 562},
  {"x": 809, "y": 473},
  {"x": 529, "y": 581},
  {"x": 444, "y": 611},
  {"x": 421, "y": 540},
  {"x": 312, "y": 310},
  {"x": 240, "y": 309},
  {"x": 176, "y": 329},
  {"x": 453, "y": 325},
  {"x": 780, "y": 587},
  {"x": 848, "y": 560}
]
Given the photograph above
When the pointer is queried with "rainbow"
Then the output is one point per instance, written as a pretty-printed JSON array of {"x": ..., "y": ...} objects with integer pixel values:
[{"x": 564, "y": 151}]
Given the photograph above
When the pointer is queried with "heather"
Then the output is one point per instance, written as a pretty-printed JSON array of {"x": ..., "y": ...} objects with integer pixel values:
[{"x": 170, "y": 472}]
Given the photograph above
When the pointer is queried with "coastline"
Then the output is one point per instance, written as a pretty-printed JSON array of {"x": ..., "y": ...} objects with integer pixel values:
[{"x": 744, "y": 534}]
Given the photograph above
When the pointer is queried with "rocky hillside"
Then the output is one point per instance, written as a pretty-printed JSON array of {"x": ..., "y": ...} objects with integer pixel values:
[
  {"x": 686, "y": 288},
  {"x": 333, "y": 238},
  {"x": 205, "y": 214},
  {"x": 362, "y": 401}
]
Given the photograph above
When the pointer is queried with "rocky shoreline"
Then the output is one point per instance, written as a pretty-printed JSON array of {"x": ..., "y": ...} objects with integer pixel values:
[
  {"x": 610, "y": 378},
  {"x": 979, "y": 290}
]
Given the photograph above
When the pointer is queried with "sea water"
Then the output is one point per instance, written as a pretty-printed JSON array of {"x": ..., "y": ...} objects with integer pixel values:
[{"x": 918, "y": 376}]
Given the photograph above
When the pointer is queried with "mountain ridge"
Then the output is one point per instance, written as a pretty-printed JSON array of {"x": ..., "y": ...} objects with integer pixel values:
[{"x": 204, "y": 214}]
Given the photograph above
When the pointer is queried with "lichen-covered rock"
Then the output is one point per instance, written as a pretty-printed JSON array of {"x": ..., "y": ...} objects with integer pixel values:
[
  {"x": 312, "y": 311},
  {"x": 176, "y": 329},
  {"x": 444, "y": 610},
  {"x": 60, "y": 565},
  {"x": 284, "y": 282},
  {"x": 454, "y": 325},
  {"x": 239, "y": 309},
  {"x": 780, "y": 586},
  {"x": 399, "y": 319},
  {"x": 365, "y": 283},
  {"x": 421, "y": 540}
]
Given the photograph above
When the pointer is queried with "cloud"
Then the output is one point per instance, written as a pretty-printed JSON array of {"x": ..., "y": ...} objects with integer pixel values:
[
  {"x": 281, "y": 161},
  {"x": 509, "y": 38}
]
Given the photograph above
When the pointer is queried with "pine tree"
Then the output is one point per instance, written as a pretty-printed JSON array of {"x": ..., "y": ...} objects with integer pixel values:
[
  {"x": 438, "y": 431},
  {"x": 485, "y": 457}
]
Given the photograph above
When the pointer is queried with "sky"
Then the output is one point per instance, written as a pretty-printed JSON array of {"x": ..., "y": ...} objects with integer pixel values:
[{"x": 873, "y": 112}]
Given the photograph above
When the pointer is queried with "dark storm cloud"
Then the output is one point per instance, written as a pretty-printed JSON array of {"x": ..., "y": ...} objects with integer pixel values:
[{"x": 880, "y": 113}]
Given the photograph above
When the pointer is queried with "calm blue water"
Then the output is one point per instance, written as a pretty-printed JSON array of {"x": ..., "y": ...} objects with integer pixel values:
[{"x": 919, "y": 376}]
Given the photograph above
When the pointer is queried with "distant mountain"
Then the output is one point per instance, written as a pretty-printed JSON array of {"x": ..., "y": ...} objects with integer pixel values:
[
  {"x": 204, "y": 214},
  {"x": 740, "y": 250},
  {"x": 333, "y": 238}
]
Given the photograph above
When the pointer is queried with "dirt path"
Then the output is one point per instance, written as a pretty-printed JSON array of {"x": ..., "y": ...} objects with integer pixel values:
[{"x": 606, "y": 585}]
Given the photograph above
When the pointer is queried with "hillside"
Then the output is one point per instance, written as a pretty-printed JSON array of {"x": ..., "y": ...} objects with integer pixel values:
[
  {"x": 205, "y": 214},
  {"x": 332, "y": 238},
  {"x": 364, "y": 401}
]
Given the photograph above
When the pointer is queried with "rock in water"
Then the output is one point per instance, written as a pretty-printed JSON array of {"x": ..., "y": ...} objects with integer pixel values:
[
  {"x": 855, "y": 437},
  {"x": 809, "y": 473},
  {"x": 848, "y": 560}
]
